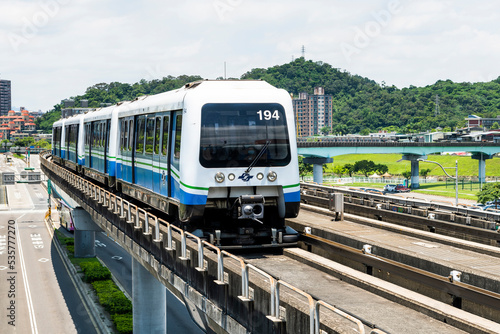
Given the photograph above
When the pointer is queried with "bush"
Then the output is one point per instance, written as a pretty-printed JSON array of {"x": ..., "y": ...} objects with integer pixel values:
[
  {"x": 123, "y": 323},
  {"x": 71, "y": 249},
  {"x": 113, "y": 300},
  {"x": 94, "y": 272}
]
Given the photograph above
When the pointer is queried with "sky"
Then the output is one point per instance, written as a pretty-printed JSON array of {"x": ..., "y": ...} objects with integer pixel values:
[{"x": 56, "y": 49}]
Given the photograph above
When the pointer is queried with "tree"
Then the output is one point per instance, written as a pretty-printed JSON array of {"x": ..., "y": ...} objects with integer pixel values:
[
  {"x": 490, "y": 192},
  {"x": 325, "y": 130},
  {"x": 424, "y": 172},
  {"x": 406, "y": 175},
  {"x": 304, "y": 168},
  {"x": 381, "y": 168},
  {"x": 495, "y": 126},
  {"x": 349, "y": 169},
  {"x": 340, "y": 170},
  {"x": 364, "y": 167}
]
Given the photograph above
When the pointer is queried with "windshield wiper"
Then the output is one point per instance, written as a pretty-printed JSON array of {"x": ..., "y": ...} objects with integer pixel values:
[{"x": 261, "y": 153}]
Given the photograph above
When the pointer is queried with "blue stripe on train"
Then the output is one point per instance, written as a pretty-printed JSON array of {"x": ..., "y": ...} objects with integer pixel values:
[{"x": 292, "y": 197}]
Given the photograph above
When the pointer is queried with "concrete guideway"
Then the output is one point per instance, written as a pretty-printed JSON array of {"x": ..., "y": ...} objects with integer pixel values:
[
  {"x": 222, "y": 290},
  {"x": 478, "y": 269}
]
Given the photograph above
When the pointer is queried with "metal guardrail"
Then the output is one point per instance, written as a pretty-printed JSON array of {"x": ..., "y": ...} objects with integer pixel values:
[{"x": 132, "y": 213}]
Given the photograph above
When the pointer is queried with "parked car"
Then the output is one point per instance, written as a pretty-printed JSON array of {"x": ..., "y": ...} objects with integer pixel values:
[
  {"x": 491, "y": 207},
  {"x": 402, "y": 189},
  {"x": 390, "y": 188}
]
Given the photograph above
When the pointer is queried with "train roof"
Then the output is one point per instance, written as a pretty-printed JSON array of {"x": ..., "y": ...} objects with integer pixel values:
[{"x": 174, "y": 99}]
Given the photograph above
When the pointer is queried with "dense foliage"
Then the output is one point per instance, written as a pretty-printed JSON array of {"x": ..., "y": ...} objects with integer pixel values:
[
  {"x": 490, "y": 192},
  {"x": 115, "y": 92},
  {"x": 360, "y": 105}
]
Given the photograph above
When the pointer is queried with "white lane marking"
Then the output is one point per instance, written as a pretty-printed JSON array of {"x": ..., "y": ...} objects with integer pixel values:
[
  {"x": 99, "y": 244},
  {"x": 117, "y": 258},
  {"x": 31, "y": 309},
  {"x": 40, "y": 196},
  {"x": 43, "y": 260},
  {"x": 17, "y": 195},
  {"x": 3, "y": 267}
]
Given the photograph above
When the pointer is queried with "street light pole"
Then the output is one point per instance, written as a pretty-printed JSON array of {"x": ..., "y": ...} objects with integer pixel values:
[{"x": 451, "y": 177}]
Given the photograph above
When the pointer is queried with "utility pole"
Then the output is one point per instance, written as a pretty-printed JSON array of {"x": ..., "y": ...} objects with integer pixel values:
[{"x": 436, "y": 112}]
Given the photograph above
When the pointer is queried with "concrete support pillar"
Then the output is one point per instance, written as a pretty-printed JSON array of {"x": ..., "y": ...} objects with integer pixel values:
[
  {"x": 85, "y": 229},
  {"x": 149, "y": 301},
  {"x": 481, "y": 157},
  {"x": 415, "y": 177},
  {"x": 317, "y": 163},
  {"x": 84, "y": 243}
]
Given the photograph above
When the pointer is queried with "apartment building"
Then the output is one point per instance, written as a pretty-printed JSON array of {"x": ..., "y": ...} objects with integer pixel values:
[{"x": 313, "y": 112}]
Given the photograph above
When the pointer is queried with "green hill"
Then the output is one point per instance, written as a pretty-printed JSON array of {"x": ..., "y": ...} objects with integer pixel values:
[{"x": 360, "y": 105}]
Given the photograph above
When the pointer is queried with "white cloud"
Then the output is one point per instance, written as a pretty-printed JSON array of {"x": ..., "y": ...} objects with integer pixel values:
[{"x": 85, "y": 42}]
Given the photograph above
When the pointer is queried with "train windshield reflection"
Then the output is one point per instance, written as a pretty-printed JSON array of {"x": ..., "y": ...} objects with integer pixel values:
[{"x": 232, "y": 135}]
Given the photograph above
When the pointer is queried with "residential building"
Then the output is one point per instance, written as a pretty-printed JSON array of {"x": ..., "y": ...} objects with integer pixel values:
[
  {"x": 313, "y": 112},
  {"x": 17, "y": 125},
  {"x": 474, "y": 121},
  {"x": 70, "y": 109},
  {"x": 5, "y": 97}
]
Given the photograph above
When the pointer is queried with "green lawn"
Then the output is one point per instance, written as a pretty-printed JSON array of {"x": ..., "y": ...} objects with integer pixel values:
[
  {"x": 438, "y": 188},
  {"x": 467, "y": 167}
]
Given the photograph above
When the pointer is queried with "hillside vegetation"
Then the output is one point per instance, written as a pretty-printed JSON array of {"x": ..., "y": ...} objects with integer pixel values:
[{"x": 360, "y": 105}]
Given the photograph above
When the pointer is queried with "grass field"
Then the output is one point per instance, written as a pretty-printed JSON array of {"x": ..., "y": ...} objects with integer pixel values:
[
  {"x": 438, "y": 188},
  {"x": 467, "y": 167}
]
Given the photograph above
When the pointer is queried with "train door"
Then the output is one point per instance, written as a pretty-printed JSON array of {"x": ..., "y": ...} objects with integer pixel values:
[
  {"x": 140, "y": 136},
  {"x": 156, "y": 155},
  {"x": 88, "y": 136},
  {"x": 175, "y": 162},
  {"x": 128, "y": 150},
  {"x": 106, "y": 146},
  {"x": 161, "y": 174}
]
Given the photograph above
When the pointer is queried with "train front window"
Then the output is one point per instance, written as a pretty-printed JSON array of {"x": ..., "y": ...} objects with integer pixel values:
[{"x": 232, "y": 135}]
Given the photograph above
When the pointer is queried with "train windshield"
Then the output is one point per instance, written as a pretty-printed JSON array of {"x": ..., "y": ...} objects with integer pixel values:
[{"x": 233, "y": 135}]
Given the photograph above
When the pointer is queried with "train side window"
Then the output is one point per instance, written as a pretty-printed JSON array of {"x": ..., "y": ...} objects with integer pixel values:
[
  {"x": 166, "y": 128},
  {"x": 139, "y": 146},
  {"x": 125, "y": 135},
  {"x": 131, "y": 135},
  {"x": 122, "y": 135},
  {"x": 108, "y": 124},
  {"x": 177, "y": 144},
  {"x": 150, "y": 135},
  {"x": 157, "y": 135}
]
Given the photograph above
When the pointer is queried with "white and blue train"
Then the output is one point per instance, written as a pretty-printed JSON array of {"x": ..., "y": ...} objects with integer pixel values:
[{"x": 220, "y": 156}]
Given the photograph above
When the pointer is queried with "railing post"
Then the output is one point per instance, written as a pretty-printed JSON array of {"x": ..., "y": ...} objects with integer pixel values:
[
  {"x": 129, "y": 214},
  {"x": 137, "y": 222},
  {"x": 201, "y": 265},
  {"x": 146, "y": 223},
  {"x": 183, "y": 246},
  {"x": 157, "y": 229},
  {"x": 169, "y": 237}
]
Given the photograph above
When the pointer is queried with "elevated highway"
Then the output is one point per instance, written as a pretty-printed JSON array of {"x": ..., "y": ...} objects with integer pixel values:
[{"x": 320, "y": 152}]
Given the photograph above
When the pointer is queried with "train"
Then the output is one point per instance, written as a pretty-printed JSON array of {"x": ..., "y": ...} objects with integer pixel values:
[{"x": 217, "y": 156}]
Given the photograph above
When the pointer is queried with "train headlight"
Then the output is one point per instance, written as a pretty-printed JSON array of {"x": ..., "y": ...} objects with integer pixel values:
[
  {"x": 260, "y": 176},
  {"x": 272, "y": 176},
  {"x": 219, "y": 177},
  {"x": 231, "y": 177}
]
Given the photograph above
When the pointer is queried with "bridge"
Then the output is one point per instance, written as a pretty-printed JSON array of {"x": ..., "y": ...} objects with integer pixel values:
[
  {"x": 222, "y": 292},
  {"x": 320, "y": 152}
]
